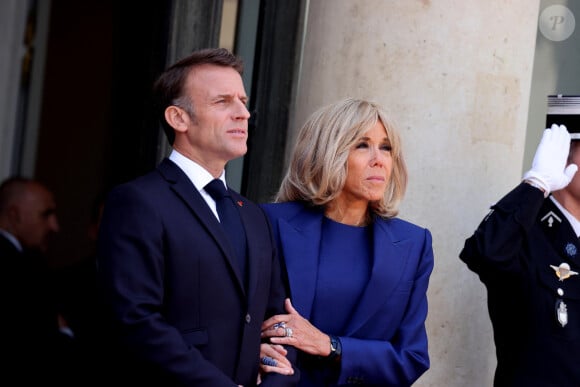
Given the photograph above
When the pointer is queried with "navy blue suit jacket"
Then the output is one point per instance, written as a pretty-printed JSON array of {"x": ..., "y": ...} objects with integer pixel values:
[
  {"x": 385, "y": 342},
  {"x": 180, "y": 310}
]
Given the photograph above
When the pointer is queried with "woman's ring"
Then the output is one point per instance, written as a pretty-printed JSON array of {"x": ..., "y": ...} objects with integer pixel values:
[
  {"x": 281, "y": 324},
  {"x": 267, "y": 360},
  {"x": 288, "y": 332}
]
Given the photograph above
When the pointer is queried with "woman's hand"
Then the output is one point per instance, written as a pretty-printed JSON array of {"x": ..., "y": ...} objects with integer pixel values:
[
  {"x": 293, "y": 329},
  {"x": 273, "y": 359}
]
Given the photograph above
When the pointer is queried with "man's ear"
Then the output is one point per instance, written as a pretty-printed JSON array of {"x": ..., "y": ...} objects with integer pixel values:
[{"x": 177, "y": 118}]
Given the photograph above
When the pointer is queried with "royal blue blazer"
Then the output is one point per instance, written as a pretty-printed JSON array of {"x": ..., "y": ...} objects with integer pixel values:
[
  {"x": 385, "y": 342},
  {"x": 180, "y": 312}
]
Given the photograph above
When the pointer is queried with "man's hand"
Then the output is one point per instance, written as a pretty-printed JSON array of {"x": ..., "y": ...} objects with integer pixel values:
[{"x": 273, "y": 359}]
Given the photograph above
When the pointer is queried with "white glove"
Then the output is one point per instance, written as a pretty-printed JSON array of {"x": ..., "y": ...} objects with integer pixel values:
[{"x": 549, "y": 169}]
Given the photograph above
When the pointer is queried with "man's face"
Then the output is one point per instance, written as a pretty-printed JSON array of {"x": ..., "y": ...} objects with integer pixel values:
[
  {"x": 574, "y": 187},
  {"x": 35, "y": 218},
  {"x": 218, "y": 129}
]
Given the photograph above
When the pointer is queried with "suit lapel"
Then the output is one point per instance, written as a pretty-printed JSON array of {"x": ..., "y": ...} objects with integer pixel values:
[
  {"x": 300, "y": 240},
  {"x": 252, "y": 240},
  {"x": 185, "y": 190},
  {"x": 389, "y": 260}
]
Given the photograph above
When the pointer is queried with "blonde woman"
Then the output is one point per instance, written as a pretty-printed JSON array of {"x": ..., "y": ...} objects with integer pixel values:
[{"x": 358, "y": 274}]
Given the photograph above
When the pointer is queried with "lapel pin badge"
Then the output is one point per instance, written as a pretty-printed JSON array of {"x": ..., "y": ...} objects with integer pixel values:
[{"x": 571, "y": 249}]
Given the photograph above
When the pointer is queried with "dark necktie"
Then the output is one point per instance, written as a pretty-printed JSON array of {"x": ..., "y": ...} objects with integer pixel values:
[{"x": 230, "y": 220}]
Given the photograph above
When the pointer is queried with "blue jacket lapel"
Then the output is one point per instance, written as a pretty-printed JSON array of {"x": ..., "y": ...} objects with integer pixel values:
[
  {"x": 388, "y": 266},
  {"x": 300, "y": 238}
]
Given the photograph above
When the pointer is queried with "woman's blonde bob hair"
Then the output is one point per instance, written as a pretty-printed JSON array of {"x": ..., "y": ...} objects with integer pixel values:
[{"x": 318, "y": 166}]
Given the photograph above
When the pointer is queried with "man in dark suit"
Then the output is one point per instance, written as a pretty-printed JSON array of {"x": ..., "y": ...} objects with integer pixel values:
[
  {"x": 526, "y": 252},
  {"x": 186, "y": 308},
  {"x": 36, "y": 350},
  {"x": 77, "y": 297}
]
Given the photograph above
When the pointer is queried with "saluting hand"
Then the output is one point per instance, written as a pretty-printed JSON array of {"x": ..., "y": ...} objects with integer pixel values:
[{"x": 549, "y": 169}]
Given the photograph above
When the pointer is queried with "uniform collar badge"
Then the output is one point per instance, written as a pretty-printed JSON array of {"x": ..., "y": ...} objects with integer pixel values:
[{"x": 550, "y": 217}]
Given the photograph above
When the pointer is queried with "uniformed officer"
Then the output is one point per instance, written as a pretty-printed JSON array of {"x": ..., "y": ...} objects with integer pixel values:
[{"x": 527, "y": 254}]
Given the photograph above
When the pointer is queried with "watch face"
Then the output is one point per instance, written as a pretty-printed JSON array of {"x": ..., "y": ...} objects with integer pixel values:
[
  {"x": 335, "y": 348},
  {"x": 332, "y": 344}
]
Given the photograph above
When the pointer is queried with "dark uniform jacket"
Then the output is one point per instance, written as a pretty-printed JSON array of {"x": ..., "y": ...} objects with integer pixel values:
[{"x": 517, "y": 251}]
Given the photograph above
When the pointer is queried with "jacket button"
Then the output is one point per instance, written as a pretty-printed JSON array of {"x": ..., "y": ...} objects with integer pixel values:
[{"x": 248, "y": 318}]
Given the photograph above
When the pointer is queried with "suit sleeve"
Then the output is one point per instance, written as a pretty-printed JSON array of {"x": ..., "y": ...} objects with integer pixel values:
[{"x": 279, "y": 291}]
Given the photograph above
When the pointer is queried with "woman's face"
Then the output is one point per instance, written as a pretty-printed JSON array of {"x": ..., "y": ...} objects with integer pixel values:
[{"x": 370, "y": 164}]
